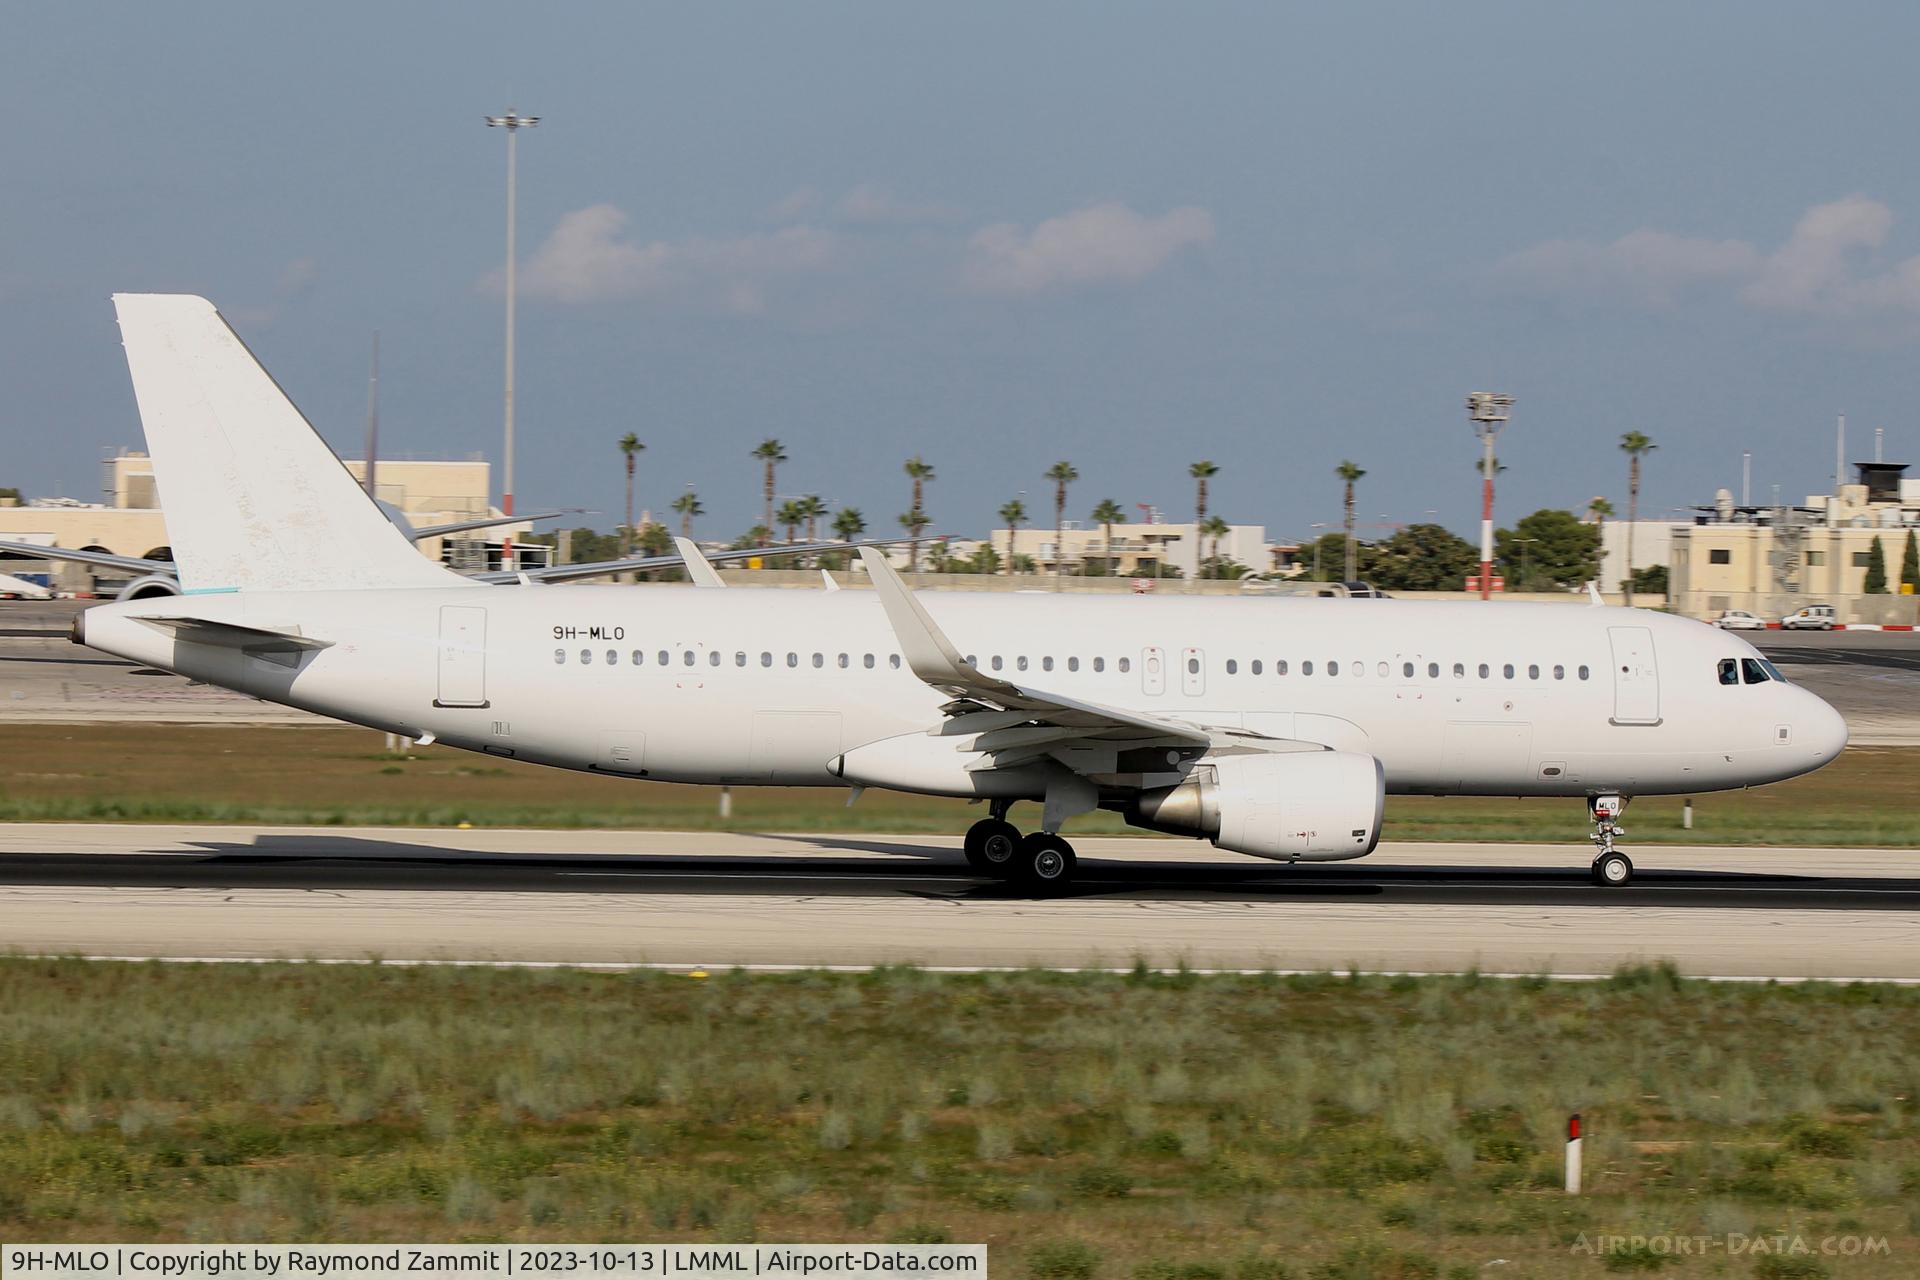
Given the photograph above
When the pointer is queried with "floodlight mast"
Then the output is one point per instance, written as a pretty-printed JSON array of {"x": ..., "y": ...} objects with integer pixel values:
[
  {"x": 1488, "y": 411},
  {"x": 512, "y": 122}
]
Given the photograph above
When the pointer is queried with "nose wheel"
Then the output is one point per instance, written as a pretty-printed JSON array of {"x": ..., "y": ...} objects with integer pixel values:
[{"x": 1611, "y": 868}]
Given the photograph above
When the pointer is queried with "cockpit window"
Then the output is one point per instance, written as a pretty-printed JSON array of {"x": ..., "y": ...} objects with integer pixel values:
[
  {"x": 1752, "y": 669},
  {"x": 1729, "y": 671},
  {"x": 1772, "y": 671}
]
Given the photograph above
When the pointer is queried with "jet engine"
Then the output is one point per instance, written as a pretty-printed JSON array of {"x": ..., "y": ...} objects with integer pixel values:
[
  {"x": 1316, "y": 806},
  {"x": 154, "y": 584}
]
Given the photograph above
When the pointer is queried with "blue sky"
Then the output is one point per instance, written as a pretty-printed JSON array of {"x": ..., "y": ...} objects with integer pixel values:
[{"x": 996, "y": 236}]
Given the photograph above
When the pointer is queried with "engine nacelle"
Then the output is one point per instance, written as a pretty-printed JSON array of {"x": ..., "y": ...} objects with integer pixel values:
[
  {"x": 1316, "y": 806},
  {"x": 150, "y": 587}
]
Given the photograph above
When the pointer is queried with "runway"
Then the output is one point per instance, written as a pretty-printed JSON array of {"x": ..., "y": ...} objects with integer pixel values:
[{"x": 714, "y": 900}]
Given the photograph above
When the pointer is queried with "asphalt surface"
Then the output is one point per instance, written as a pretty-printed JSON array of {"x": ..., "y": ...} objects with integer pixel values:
[{"x": 720, "y": 899}]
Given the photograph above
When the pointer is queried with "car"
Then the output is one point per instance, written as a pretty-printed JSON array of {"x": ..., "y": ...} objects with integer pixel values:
[
  {"x": 1739, "y": 620},
  {"x": 1815, "y": 617}
]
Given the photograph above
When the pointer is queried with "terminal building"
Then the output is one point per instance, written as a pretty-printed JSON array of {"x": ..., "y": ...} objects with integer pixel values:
[
  {"x": 130, "y": 522},
  {"x": 1770, "y": 561}
]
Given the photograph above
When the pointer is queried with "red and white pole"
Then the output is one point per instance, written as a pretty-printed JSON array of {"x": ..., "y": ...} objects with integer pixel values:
[
  {"x": 1486, "y": 521},
  {"x": 1573, "y": 1154}
]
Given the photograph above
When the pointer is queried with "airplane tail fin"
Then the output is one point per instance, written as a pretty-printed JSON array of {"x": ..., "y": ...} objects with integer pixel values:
[{"x": 255, "y": 500}]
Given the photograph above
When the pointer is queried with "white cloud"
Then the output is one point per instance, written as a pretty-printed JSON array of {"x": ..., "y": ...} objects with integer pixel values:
[
  {"x": 1101, "y": 243},
  {"x": 795, "y": 204},
  {"x": 1825, "y": 267},
  {"x": 589, "y": 259},
  {"x": 872, "y": 203}
]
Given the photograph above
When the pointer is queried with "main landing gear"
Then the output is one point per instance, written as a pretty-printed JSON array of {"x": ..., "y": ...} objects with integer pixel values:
[
  {"x": 995, "y": 847},
  {"x": 1611, "y": 868}
]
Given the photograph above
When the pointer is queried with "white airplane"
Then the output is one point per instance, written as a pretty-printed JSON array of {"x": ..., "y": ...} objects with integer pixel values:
[{"x": 1273, "y": 727}]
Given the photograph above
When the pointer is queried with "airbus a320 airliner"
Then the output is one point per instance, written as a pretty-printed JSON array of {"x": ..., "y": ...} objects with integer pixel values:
[{"x": 1271, "y": 727}]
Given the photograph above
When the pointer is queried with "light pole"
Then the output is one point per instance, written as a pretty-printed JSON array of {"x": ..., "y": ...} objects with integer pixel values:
[
  {"x": 1316, "y": 552},
  {"x": 1488, "y": 411},
  {"x": 1524, "y": 544},
  {"x": 513, "y": 122}
]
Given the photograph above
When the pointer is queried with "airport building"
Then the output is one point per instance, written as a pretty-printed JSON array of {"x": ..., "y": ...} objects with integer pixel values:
[
  {"x": 130, "y": 522},
  {"x": 1772, "y": 560},
  {"x": 1137, "y": 550}
]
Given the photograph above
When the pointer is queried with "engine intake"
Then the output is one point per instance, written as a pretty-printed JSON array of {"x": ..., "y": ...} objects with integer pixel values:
[{"x": 1317, "y": 806}]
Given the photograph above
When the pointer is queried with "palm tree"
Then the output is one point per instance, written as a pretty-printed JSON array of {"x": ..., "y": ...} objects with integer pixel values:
[
  {"x": 769, "y": 452},
  {"x": 1348, "y": 472},
  {"x": 631, "y": 447},
  {"x": 920, "y": 472},
  {"x": 1015, "y": 514},
  {"x": 791, "y": 518},
  {"x": 688, "y": 505},
  {"x": 812, "y": 508},
  {"x": 913, "y": 522},
  {"x": 1108, "y": 514},
  {"x": 849, "y": 524},
  {"x": 1600, "y": 509},
  {"x": 1215, "y": 528},
  {"x": 1200, "y": 471},
  {"x": 1062, "y": 474},
  {"x": 1635, "y": 445}
]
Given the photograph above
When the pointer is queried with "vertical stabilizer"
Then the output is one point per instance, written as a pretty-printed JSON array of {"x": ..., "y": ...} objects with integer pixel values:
[{"x": 254, "y": 498}]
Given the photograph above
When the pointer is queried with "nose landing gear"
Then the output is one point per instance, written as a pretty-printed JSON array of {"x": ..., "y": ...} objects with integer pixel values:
[{"x": 1611, "y": 868}]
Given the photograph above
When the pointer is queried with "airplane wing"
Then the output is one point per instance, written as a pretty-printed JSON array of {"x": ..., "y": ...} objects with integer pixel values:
[
  {"x": 1015, "y": 724},
  {"x": 640, "y": 564},
  {"x": 461, "y": 526},
  {"x": 104, "y": 559}
]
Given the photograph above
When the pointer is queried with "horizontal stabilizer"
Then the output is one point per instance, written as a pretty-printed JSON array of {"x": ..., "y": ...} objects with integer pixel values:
[{"x": 229, "y": 635}]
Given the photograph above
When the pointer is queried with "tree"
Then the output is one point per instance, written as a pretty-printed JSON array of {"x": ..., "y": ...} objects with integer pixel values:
[
  {"x": 1201, "y": 471},
  {"x": 1546, "y": 549},
  {"x": 1636, "y": 446},
  {"x": 1910, "y": 564},
  {"x": 770, "y": 452},
  {"x": 913, "y": 522},
  {"x": 1876, "y": 584},
  {"x": 1327, "y": 553},
  {"x": 1423, "y": 557},
  {"x": 758, "y": 536},
  {"x": 688, "y": 505},
  {"x": 654, "y": 539},
  {"x": 1650, "y": 580},
  {"x": 1213, "y": 528},
  {"x": 630, "y": 447},
  {"x": 1062, "y": 474},
  {"x": 1600, "y": 510},
  {"x": 1108, "y": 514},
  {"x": 1014, "y": 512},
  {"x": 849, "y": 524},
  {"x": 919, "y": 472},
  {"x": 791, "y": 518},
  {"x": 1348, "y": 472}
]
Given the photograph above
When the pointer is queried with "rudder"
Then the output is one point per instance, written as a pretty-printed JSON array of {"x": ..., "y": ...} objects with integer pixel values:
[{"x": 255, "y": 500}]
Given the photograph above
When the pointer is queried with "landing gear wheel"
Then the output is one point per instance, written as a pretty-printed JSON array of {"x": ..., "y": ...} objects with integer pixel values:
[
  {"x": 1045, "y": 862},
  {"x": 1612, "y": 869},
  {"x": 990, "y": 846}
]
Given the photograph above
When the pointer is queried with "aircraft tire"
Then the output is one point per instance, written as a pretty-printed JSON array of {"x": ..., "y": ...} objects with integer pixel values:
[
  {"x": 1045, "y": 862},
  {"x": 992, "y": 847},
  {"x": 1612, "y": 870}
]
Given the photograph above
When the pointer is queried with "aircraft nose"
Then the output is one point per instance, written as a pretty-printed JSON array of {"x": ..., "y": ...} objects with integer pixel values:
[{"x": 1825, "y": 728}]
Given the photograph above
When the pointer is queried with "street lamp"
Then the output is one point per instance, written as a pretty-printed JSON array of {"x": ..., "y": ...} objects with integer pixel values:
[
  {"x": 513, "y": 122},
  {"x": 1316, "y": 552},
  {"x": 1488, "y": 411}
]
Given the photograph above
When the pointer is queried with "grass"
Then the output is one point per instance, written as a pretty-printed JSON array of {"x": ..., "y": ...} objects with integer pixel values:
[
  {"x": 340, "y": 776},
  {"x": 1087, "y": 1127}
]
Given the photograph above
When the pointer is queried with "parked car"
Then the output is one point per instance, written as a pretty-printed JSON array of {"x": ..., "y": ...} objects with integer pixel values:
[
  {"x": 1815, "y": 617},
  {"x": 1739, "y": 620}
]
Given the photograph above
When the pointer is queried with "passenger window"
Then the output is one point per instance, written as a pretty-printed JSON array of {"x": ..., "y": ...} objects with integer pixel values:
[
  {"x": 586, "y": 657},
  {"x": 1380, "y": 669},
  {"x": 1729, "y": 671},
  {"x": 1507, "y": 670},
  {"x": 793, "y": 659},
  {"x": 893, "y": 660},
  {"x": 1333, "y": 668},
  {"x": 997, "y": 664},
  {"x": 1020, "y": 663},
  {"x": 866, "y": 660},
  {"x": 1126, "y": 665},
  {"x": 1254, "y": 666},
  {"x": 1485, "y": 671},
  {"x": 1583, "y": 673},
  {"x": 665, "y": 658},
  {"x": 1559, "y": 672},
  {"x": 819, "y": 660},
  {"x": 613, "y": 658},
  {"x": 1406, "y": 669},
  {"x": 1459, "y": 671},
  {"x": 1306, "y": 668},
  {"x": 1073, "y": 664},
  {"x": 713, "y": 658},
  {"x": 1433, "y": 671},
  {"x": 845, "y": 662},
  {"x": 1755, "y": 673},
  {"x": 740, "y": 658},
  {"x": 1046, "y": 664},
  {"x": 559, "y": 656},
  {"x": 686, "y": 658},
  {"x": 766, "y": 659},
  {"x": 1099, "y": 664},
  {"x": 639, "y": 656},
  {"x": 1193, "y": 666},
  {"x": 1233, "y": 668},
  {"x": 1280, "y": 667},
  {"x": 1533, "y": 671}
]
